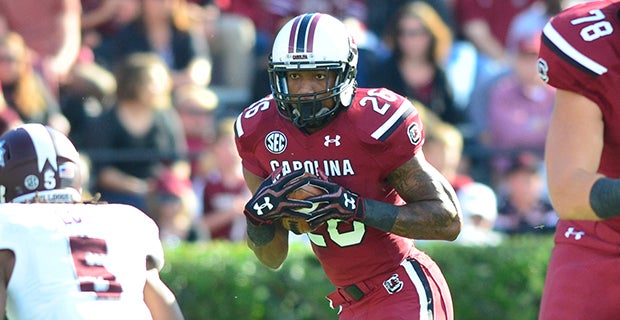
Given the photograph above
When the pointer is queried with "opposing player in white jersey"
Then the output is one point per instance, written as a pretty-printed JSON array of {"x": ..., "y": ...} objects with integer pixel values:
[
  {"x": 381, "y": 192},
  {"x": 64, "y": 259}
]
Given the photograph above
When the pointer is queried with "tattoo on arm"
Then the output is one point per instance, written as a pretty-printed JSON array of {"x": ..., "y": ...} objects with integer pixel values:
[{"x": 431, "y": 210}]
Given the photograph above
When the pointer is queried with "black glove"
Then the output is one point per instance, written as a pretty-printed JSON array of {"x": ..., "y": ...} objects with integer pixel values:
[
  {"x": 270, "y": 201},
  {"x": 337, "y": 203}
]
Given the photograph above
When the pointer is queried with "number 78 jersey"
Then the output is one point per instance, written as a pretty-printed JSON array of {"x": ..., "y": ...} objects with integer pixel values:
[
  {"x": 358, "y": 149},
  {"x": 78, "y": 261},
  {"x": 580, "y": 53}
]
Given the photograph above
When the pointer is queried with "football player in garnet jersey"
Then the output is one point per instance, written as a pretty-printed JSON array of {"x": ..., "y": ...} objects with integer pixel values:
[
  {"x": 61, "y": 258},
  {"x": 364, "y": 148},
  {"x": 579, "y": 57}
]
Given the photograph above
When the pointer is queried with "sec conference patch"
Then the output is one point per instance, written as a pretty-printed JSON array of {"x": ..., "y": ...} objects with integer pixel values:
[{"x": 275, "y": 142}]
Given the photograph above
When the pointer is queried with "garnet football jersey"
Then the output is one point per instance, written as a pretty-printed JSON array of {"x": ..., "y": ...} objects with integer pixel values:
[
  {"x": 579, "y": 53},
  {"x": 78, "y": 261},
  {"x": 362, "y": 145}
]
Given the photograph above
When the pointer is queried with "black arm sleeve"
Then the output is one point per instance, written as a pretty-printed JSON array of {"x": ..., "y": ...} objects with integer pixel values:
[{"x": 605, "y": 198}]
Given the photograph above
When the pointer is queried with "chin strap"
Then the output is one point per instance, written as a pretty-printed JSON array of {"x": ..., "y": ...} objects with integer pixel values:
[{"x": 67, "y": 195}]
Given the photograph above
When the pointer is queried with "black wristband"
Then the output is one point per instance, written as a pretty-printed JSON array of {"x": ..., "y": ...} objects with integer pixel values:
[
  {"x": 261, "y": 235},
  {"x": 605, "y": 198},
  {"x": 379, "y": 215}
]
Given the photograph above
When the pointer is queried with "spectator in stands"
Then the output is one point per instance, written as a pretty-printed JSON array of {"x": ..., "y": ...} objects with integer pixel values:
[
  {"x": 524, "y": 206},
  {"x": 379, "y": 9},
  {"x": 420, "y": 43},
  {"x": 101, "y": 20},
  {"x": 98, "y": 20},
  {"x": 197, "y": 107},
  {"x": 172, "y": 203},
  {"x": 479, "y": 205},
  {"x": 89, "y": 91},
  {"x": 531, "y": 21},
  {"x": 225, "y": 192},
  {"x": 519, "y": 108},
  {"x": 9, "y": 119},
  {"x": 99, "y": 15},
  {"x": 23, "y": 88},
  {"x": 230, "y": 35},
  {"x": 371, "y": 50},
  {"x": 443, "y": 148},
  {"x": 486, "y": 23},
  {"x": 51, "y": 28},
  {"x": 140, "y": 137},
  {"x": 164, "y": 27},
  {"x": 488, "y": 70}
]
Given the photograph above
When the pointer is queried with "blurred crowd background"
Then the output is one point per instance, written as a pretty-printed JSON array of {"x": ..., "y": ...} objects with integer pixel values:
[{"x": 148, "y": 91}]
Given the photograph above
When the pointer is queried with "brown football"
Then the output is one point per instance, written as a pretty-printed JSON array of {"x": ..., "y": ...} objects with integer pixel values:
[
  {"x": 296, "y": 224},
  {"x": 305, "y": 191}
]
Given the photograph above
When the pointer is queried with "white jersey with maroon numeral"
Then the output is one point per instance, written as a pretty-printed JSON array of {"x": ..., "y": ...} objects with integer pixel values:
[{"x": 78, "y": 261}]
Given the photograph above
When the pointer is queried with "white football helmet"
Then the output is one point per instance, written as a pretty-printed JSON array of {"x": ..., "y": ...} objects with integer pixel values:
[
  {"x": 313, "y": 41},
  {"x": 38, "y": 163}
]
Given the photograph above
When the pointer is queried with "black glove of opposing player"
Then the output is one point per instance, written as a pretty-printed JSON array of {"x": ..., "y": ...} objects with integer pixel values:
[
  {"x": 270, "y": 201},
  {"x": 337, "y": 203}
]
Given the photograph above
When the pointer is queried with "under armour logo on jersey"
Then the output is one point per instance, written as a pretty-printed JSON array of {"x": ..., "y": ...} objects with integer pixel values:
[
  {"x": 393, "y": 284},
  {"x": 267, "y": 204},
  {"x": 350, "y": 200},
  {"x": 571, "y": 232},
  {"x": 335, "y": 141},
  {"x": 2, "y": 152}
]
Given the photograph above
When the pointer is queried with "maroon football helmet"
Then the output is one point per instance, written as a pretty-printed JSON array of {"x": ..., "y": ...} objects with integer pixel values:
[{"x": 38, "y": 163}]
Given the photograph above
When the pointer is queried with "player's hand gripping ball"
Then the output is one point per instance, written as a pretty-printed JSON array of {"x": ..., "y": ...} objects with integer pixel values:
[
  {"x": 298, "y": 223},
  {"x": 270, "y": 201}
]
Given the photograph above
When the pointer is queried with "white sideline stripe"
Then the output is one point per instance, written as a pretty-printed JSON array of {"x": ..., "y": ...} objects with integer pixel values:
[
  {"x": 570, "y": 51},
  {"x": 43, "y": 145},
  {"x": 419, "y": 287},
  {"x": 390, "y": 122}
]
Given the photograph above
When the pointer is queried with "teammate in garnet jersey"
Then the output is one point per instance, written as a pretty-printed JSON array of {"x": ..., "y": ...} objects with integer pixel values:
[
  {"x": 579, "y": 57},
  {"x": 61, "y": 258},
  {"x": 365, "y": 146}
]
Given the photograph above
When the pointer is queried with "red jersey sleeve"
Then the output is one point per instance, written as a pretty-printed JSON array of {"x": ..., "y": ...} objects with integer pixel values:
[
  {"x": 248, "y": 128},
  {"x": 389, "y": 124},
  {"x": 579, "y": 51}
]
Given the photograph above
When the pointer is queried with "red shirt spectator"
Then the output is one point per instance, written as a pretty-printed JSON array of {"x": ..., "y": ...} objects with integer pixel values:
[
  {"x": 486, "y": 22},
  {"x": 51, "y": 28}
]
